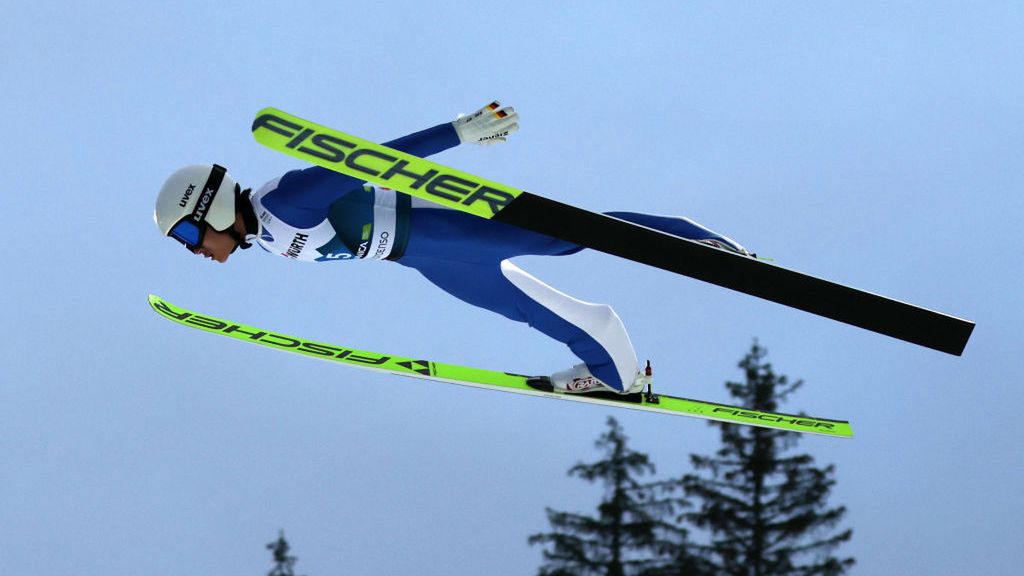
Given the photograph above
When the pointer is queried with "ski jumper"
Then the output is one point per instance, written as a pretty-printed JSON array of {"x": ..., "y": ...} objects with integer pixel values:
[{"x": 319, "y": 215}]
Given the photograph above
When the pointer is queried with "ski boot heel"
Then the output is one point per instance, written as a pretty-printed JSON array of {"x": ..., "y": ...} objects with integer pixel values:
[{"x": 542, "y": 383}]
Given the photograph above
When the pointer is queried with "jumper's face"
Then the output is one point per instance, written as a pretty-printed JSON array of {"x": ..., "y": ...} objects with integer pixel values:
[{"x": 215, "y": 245}]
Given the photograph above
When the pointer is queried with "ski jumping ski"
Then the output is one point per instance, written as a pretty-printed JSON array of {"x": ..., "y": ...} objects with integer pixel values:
[
  {"x": 646, "y": 401},
  {"x": 366, "y": 160}
]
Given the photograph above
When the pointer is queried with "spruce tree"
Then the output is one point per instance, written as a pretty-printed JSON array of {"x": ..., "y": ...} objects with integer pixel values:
[
  {"x": 765, "y": 508},
  {"x": 629, "y": 536}
]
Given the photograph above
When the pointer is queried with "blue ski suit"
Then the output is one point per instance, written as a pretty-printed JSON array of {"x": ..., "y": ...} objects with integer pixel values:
[{"x": 319, "y": 215}]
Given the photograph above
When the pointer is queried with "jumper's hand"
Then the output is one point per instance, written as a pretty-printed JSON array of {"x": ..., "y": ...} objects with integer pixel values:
[{"x": 488, "y": 125}]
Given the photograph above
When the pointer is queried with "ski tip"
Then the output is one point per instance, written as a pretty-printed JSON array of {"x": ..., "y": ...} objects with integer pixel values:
[
  {"x": 270, "y": 117},
  {"x": 269, "y": 110}
]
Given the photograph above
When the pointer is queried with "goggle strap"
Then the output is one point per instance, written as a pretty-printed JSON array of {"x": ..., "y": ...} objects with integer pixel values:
[{"x": 205, "y": 201}]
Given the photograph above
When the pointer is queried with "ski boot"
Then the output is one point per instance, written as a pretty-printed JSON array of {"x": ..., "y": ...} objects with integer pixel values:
[{"x": 579, "y": 380}]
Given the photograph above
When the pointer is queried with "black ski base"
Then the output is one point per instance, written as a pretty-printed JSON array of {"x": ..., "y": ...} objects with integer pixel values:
[{"x": 790, "y": 288}]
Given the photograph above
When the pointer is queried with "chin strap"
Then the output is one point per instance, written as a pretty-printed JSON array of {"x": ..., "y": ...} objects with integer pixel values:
[{"x": 239, "y": 241}]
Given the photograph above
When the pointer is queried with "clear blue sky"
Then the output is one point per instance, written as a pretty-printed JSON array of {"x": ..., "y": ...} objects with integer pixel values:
[{"x": 872, "y": 143}]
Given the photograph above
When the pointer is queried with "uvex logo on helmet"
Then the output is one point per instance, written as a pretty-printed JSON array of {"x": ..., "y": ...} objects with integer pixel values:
[
  {"x": 188, "y": 193},
  {"x": 203, "y": 205}
]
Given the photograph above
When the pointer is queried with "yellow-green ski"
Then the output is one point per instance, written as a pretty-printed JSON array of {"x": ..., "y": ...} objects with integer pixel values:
[
  {"x": 372, "y": 162},
  {"x": 491, "y": 379}
]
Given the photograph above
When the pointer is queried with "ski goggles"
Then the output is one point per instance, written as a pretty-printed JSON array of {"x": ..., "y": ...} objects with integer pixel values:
[
  {"x": 191, "y": 229},
  {"x": 188, "y": 233}
]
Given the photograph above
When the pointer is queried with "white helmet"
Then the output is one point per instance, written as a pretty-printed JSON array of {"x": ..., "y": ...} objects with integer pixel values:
[{"x": 193, "y": 198}]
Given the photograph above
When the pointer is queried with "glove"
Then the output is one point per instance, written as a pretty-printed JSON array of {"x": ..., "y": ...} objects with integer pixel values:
[{"x": 488, "y": 125}]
